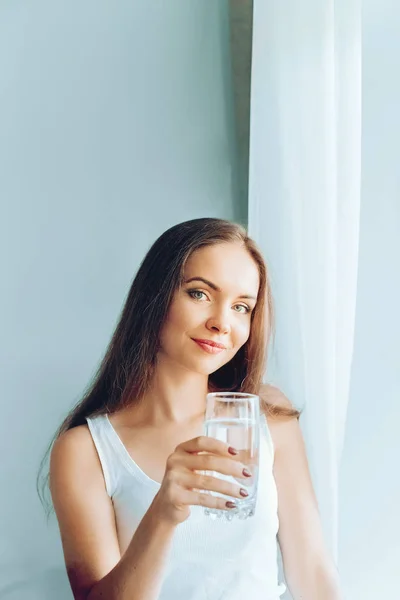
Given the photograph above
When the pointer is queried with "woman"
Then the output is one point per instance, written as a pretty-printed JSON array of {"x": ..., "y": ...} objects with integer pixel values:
[{"x": 139, "y": 532}]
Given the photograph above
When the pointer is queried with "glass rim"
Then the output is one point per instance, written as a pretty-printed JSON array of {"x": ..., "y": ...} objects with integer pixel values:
[{"x": 239, "y": 395}]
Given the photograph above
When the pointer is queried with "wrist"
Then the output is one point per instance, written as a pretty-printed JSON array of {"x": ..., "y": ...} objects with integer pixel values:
[{"x": 157, "y": 520}]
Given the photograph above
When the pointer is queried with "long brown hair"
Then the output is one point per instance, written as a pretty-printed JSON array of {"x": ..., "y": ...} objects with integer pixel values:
[{"x": 126, "y": 371}]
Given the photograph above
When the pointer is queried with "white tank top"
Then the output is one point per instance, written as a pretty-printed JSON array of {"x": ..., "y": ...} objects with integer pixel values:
[{"x": 209, "y": 559}]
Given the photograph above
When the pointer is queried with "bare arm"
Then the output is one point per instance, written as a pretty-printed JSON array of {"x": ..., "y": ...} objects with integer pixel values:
[
  {"x": 95, "y": 567},
  {"x": 138, "y": 575},
  {"x": 86, "y": 519},
  {"x": 309, "y": 569}
]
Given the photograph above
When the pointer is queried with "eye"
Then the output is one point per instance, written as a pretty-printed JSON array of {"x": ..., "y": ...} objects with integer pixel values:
[
  {"x": 244, "y": 308},
  {"x": 197, "y": 294}
]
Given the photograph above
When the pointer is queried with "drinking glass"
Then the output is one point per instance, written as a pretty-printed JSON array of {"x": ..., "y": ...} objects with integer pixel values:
[{"x": 234, "y": 418}]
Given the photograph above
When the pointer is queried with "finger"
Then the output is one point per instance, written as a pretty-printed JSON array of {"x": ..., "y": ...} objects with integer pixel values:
[
  {"x": 207, "y": 444},
  {"x": 196, "y": 498},
  {"x": 192, "y": 481},
  {"x": 211, "y": 462}
]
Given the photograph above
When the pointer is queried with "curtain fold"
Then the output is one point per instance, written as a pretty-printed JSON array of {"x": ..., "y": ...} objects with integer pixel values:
[{"x": 304, "y": 205}]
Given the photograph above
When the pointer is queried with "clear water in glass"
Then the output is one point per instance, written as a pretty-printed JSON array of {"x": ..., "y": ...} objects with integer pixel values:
[{"x": 234, "y": 418}]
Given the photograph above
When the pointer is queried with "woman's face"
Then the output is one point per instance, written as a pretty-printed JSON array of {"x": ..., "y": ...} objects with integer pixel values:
[{"x": 210, "y": 315}]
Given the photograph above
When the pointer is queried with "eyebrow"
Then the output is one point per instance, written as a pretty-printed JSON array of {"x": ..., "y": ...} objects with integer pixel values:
[{"x": 216, "y": 288}]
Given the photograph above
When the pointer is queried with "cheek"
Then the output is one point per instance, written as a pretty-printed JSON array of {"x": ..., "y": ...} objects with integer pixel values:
[
  {"x": 242, "y": 331},
  {"x": 179, "y": 321},
  {"x": 179, "y": 316}
]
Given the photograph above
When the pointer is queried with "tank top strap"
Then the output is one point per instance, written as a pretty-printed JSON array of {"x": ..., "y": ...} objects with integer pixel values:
[
  {"x": 266, "y": 435},
  {"x": 99, "y": 430}
]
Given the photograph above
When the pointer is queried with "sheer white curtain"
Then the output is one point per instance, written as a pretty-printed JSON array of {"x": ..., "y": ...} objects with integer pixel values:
[{"x": 304, "y": 201}]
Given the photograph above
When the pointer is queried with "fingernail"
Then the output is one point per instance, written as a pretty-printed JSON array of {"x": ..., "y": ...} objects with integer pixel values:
[
  {"x": 243, "y": 492},
  {"x": 230, "y": 504},
  {"x": 246, "y": 473},
  {"x": 232, "y": 450}
]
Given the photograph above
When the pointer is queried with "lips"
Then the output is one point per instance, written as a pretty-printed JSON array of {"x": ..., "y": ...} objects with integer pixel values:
[{"x": 210, "y": 346}]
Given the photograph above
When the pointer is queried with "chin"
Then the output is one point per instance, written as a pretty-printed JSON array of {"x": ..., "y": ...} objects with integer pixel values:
[
  {"x": 202, "y": 369},
  {"x": 207, "y": 367}
]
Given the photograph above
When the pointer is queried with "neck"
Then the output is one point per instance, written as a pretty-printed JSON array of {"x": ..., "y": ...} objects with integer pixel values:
[{"x": 176, "y": 395}]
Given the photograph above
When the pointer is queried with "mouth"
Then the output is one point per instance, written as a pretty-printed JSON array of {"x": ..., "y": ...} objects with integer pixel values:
[{"x": 209, "y": 346}]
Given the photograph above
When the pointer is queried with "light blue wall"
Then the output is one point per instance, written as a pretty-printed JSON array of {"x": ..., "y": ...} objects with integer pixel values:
[
  {"x": 370, "y": 482},
  {"x": 116, "y": 122}
]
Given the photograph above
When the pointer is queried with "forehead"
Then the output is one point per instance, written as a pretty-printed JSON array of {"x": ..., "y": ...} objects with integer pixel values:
[{"x": 229, "y": 266}]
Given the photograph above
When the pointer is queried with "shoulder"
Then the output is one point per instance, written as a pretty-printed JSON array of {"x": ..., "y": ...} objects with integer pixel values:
[
  {"x": 73, "y": 455},
  {"x": 282, "y": 417},
  {"x": 72, "y": 441},
  {"x": 275, "y": 405},
  {"x": 274, "y": 395}
]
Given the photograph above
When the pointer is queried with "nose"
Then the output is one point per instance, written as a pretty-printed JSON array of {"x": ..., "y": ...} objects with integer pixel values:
[{"x": 219, "y": 324}]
